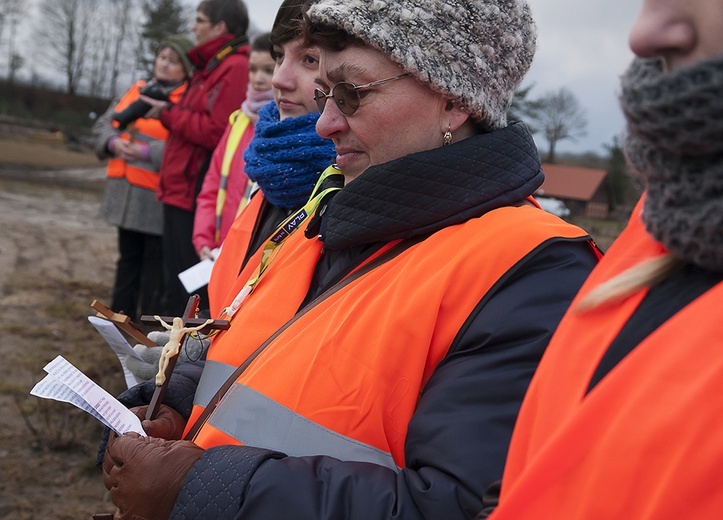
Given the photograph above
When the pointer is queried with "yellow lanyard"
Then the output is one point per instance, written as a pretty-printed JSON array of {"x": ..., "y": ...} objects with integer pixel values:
[
  {"x": 250, "y": 185},
  {"x": 239, "y": 123},
  {"x": 284, "y": 231}
]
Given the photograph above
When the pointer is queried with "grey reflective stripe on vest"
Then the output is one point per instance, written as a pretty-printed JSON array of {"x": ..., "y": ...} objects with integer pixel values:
[
  {"x": 213, "y": 376},
  {"x": 255, "y": 420},
  {"x": 140, "y": 137}
]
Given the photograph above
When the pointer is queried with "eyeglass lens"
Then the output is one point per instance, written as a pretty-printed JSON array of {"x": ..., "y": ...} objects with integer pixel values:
[{"x": 345, "y": 96}]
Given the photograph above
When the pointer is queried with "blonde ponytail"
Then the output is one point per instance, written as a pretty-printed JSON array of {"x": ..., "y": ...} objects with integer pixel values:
[{"x": 645, "y": 274}]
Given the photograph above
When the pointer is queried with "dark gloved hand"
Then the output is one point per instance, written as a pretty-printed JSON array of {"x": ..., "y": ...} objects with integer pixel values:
[
  {"x": 179, "y": 396},
  {"x": 168, "y": 424},
  {"x": 145, "y": 474}
]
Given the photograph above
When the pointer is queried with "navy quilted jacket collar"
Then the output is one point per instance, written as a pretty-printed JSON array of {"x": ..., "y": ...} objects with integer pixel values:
[{"x": 427, "y": 191}]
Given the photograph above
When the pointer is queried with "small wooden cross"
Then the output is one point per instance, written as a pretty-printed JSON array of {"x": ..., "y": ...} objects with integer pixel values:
[
  {"x": 190, "y": 321},
  {"x": 123, "y": 322}
]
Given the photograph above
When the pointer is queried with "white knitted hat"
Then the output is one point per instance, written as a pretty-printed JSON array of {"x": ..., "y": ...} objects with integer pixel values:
[{"x": 475, "y": 52}]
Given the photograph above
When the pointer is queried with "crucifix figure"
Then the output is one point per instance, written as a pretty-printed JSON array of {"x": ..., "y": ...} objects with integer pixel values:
[
  {"x": 173, "y": 346},
  {"x": 178, "y": 333}
]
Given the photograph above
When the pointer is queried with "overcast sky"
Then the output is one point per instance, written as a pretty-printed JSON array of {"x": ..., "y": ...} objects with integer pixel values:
[{"x": 582, "y": 45}]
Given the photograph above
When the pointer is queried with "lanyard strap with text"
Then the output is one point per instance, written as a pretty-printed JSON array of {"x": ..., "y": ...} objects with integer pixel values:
[{"x": 284, "y": 231}]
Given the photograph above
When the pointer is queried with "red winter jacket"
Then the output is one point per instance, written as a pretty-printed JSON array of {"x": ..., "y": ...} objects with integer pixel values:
[{"x": 197, "y": 122}]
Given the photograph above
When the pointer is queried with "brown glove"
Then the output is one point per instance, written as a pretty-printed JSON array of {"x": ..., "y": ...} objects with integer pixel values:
[
  {"x": 145, "y": 474},
  {"x": 168, "y": 424}
]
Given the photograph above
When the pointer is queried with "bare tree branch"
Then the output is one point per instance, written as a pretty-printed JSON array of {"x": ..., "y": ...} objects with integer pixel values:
[
  {"x": 124, "y": 40},
  {"x": 560, "y": 117},
  {"x": 11, "y": 12},
  {"x": 65, "y": 34}
]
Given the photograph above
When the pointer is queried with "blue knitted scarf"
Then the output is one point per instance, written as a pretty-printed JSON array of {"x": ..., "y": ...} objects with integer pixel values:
[{"x": 286, "y": 157}]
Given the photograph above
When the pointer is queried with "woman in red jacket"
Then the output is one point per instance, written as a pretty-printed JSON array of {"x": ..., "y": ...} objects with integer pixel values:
[
  {"x": 195, "y": 126},
  {"x": 624, "y": 416},
  {"x": 225, "y": 186}
]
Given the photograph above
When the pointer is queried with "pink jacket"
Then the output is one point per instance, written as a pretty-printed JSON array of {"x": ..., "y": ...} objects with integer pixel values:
[{"x": 204, "y": 221}]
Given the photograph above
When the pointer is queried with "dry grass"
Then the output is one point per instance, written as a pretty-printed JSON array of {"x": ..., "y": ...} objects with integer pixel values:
[{"x": 56, "y": 256}]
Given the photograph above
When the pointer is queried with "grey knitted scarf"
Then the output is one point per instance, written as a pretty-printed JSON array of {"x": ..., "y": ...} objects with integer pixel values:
[{"x": 675, "y": 140}]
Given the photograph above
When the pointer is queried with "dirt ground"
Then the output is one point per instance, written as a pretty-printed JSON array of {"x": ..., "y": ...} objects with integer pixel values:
[{"x": 56, "y": 256}]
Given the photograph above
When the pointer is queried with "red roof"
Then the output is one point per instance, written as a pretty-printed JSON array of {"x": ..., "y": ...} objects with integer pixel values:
[{"x": 570, "y": 182}]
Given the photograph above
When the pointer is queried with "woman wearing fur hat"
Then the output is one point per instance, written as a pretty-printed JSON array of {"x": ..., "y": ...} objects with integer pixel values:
[
  {"x": 134, "y": 147},
  {"x": 375, "y": 364},
  {"x": 624, "y": 416}
]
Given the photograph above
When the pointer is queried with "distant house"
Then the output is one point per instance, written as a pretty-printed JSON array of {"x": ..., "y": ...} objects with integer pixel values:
[{"x": 584, "y": 191}]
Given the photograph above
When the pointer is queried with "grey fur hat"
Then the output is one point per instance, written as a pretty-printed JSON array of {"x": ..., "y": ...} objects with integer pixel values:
[{"x": 474, "y": 52}]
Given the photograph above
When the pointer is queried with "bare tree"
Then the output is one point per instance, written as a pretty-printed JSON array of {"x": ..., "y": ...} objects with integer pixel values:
[
  {"x": 11, "y": 12},
  {"x": 98, "y": 61},
  {"x": 16, "y": 63},
  {"x": 113, "y": 39},
  {"x": 124, "y": 40},
  {"x": 3, "y": 15},
  {"x": 560, "y": 117},
  {"x": 64, "y": 34},
  {"x": 525, "y": 109},
  {"x": 91, "y": 42}
]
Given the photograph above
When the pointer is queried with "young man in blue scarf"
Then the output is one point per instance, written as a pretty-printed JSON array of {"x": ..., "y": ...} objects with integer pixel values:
[{"x": 284, "y": 159}]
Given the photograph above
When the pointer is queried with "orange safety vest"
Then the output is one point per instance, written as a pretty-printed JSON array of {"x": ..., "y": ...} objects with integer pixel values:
[
  {"x": 645, "y": 442},
  {"x": 227, "y": 266},
  {"x": 344, "y": 378},
  {"x": 145, "y": 130}
]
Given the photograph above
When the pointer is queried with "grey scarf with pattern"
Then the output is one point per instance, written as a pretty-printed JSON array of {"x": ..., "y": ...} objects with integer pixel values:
[{"x": 675, "y": 140}]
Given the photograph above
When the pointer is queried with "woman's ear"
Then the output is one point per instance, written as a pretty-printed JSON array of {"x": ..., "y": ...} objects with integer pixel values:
[
  {"x": 220, "y": 28},
  {"x": 455, "y": 116}
]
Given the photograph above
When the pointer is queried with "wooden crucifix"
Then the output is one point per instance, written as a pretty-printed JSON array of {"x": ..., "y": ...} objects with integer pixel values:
[
  {"x": 123, "y": 322},
  {"x": 178, "y": 336}
]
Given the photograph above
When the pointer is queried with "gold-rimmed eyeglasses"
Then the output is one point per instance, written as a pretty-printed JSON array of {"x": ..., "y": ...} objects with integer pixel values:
[{"x": 346, "y": 95}]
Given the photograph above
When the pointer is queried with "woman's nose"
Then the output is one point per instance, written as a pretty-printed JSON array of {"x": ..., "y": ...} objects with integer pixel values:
[
  {"x": 662, "y": 29},
  {"x": 331, "y": 121}
]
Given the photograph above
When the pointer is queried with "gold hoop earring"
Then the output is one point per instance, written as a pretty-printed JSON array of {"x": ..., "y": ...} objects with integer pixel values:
[{"x": 447, "y": 137}]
